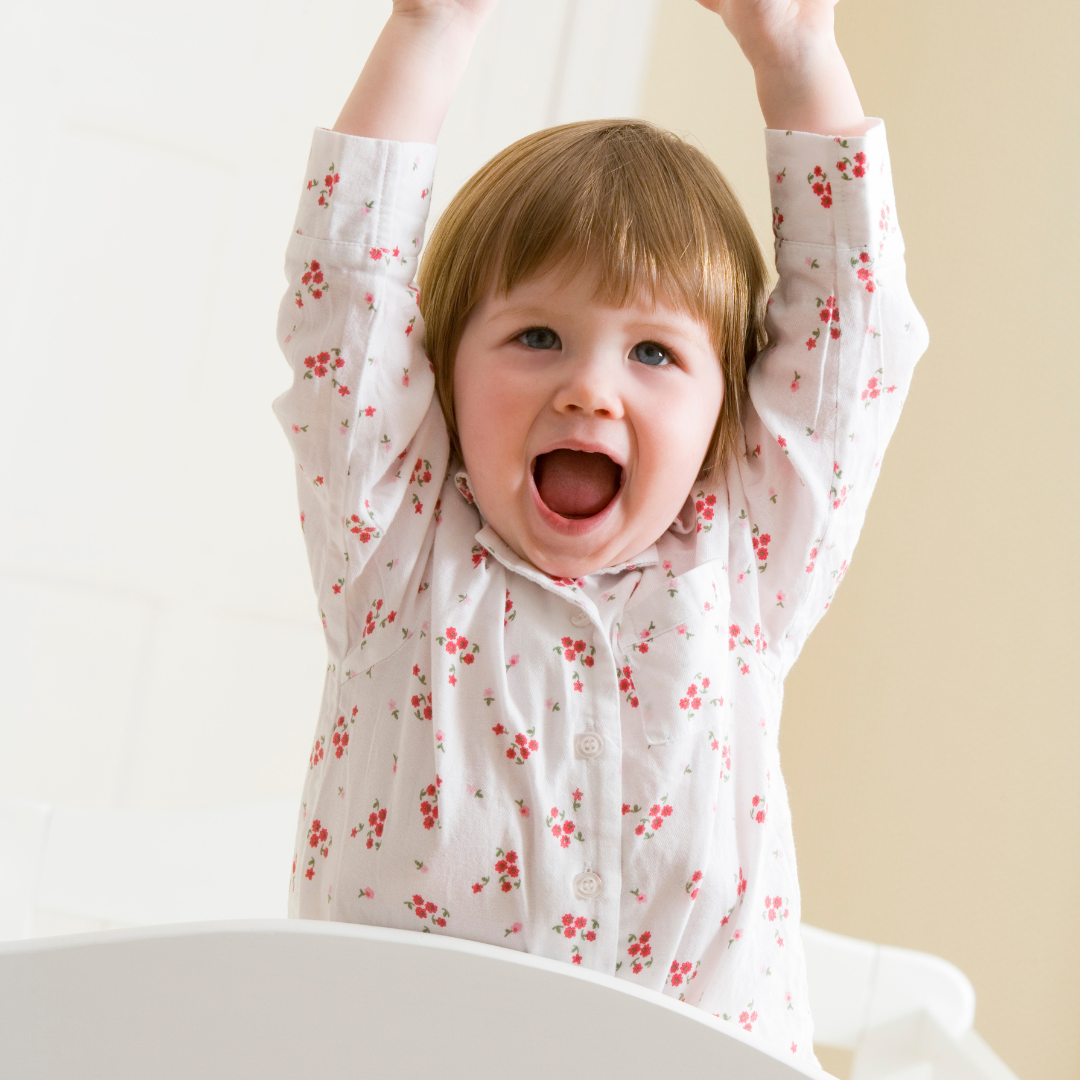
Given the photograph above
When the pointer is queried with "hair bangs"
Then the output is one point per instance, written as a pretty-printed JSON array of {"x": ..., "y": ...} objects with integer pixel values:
[{"x": 651, "y": 213}]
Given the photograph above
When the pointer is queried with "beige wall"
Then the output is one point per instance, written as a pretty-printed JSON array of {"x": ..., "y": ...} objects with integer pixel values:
[{"x": 930, "y": 736}]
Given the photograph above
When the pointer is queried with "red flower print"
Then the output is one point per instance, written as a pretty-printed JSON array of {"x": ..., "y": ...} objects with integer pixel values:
[
  {"x": 457, "y": 646},
  {"x": 852, "y": 169},
  {"x": 426, "y": 910},
  {"x": 570, "y": 926},
  {"x": 319, "y": 838},
  {"x": 658, "y": 813},
  {"x": 331, "y": 178},
  {"x": 429, "y": 804},
  {"x": 639, "y": 949},
  {"x": 522, "y": 746},
  {"x": 562, "y": 828},
  {"x": 680, "y": 973}
]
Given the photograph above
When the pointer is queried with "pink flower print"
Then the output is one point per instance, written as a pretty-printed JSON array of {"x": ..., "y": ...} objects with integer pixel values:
[
  {"x": 863, "y": 265},
  {"x": 693, "y": 886},
  {"x": 480, "y": 554},
  {"x": 695, "y": 692},
  {"x": 653, "y": 820},
  {"x": 639, "y": 949},
  {"x": 759, "y": 808},
  {"x": 795, "y": 382},
  {"x": 318, "y": 752},
  {"x": 811, "y": 560},
  {"x": 523, "y": 810},
  {"x": 748, "y": 1017},
  {"x": 733, "y": 636},
  {"x": 429, "y": 804},
  {"x": 563, "y": 828},
  {"x": 366, "y": 894},
  {"x": 405, "y": 377},
  {"x": 742, "y": 884},
  {"x": 680, "y": 973},
  {"x": 426, "y": 910}
]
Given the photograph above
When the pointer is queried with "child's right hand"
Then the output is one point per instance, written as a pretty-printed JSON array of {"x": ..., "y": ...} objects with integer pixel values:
[{"x": 411, "y": 74}]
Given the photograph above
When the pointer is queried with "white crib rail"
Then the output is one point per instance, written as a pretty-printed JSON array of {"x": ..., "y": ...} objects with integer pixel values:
[{"x": 280, "y": 999}]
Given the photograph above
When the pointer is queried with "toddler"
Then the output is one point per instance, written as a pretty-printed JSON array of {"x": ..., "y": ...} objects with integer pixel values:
[{"x": 573, "y": 507}]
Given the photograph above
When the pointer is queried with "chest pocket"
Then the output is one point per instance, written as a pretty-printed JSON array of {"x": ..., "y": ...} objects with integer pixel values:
[{"x": 675, "y": 642}]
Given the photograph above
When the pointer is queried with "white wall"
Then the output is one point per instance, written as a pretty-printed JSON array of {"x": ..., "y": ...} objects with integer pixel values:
[{"x": 159, "y": 645}]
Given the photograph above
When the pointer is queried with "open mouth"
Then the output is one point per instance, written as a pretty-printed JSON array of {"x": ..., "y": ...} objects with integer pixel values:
[{"x": 576, "y": 484}]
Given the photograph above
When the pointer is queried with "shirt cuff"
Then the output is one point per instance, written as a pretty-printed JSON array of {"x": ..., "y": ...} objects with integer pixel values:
[
  {"x": 369, "y": 192},
  {"x": 829, "y": 190}
]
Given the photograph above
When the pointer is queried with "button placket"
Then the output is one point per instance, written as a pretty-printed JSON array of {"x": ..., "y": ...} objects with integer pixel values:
[{"x": 580, "y": 618}]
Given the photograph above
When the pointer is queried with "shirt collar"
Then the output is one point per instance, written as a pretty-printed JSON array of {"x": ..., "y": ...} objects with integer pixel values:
[{"x": 510, "y": 559}]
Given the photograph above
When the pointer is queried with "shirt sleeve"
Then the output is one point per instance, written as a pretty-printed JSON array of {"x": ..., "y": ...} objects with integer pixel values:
[
  {"x": 369, "y": 439},
  {"x": 826, "y": 392}
]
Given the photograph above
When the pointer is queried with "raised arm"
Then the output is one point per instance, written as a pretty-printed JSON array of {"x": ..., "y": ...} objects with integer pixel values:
[
  {"x": 844, "y": 335},
  {"x": 368, "y": 436},
  {"x": 412, "y": 73},
  {"x": 802, "y": 81}
]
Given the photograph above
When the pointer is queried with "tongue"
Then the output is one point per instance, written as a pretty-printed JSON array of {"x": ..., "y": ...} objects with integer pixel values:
[{"x": 575, "y": 484}]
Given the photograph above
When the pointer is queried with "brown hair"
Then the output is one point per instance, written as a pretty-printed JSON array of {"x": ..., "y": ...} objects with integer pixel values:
[{"x": 653, "y": 212}]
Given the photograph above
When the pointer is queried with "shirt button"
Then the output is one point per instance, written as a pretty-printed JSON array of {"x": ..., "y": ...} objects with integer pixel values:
[
  {"x": 589, "y": 745},
  {"x": 588, "y": 886},
  {"x": 580, "y": 618}
]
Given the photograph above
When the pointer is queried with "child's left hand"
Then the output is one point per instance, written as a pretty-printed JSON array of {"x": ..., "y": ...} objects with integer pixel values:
[
  {"x": 802, "y": 81},
  {"x": 768, "y": 29}
]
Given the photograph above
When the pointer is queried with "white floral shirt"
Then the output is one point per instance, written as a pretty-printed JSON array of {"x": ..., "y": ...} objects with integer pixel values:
[{"x": 583, "y": 769}]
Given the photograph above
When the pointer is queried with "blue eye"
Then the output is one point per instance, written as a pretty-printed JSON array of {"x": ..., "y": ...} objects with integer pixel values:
[
  {"x": 539, "y": 337},
  {"x": 651, "y": 354}
]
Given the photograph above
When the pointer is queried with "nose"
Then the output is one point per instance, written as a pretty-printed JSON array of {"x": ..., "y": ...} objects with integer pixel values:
[{"x": 590, "y": 386}]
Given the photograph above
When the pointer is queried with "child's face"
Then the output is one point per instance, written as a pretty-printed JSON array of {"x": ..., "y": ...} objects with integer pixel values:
[{"x": 548, "y": 367}]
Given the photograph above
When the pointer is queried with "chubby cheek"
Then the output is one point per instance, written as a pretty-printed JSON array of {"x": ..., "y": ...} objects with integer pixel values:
[
  {"x": 672, "y": 441},
  {"x": 491, "y": 428}
]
